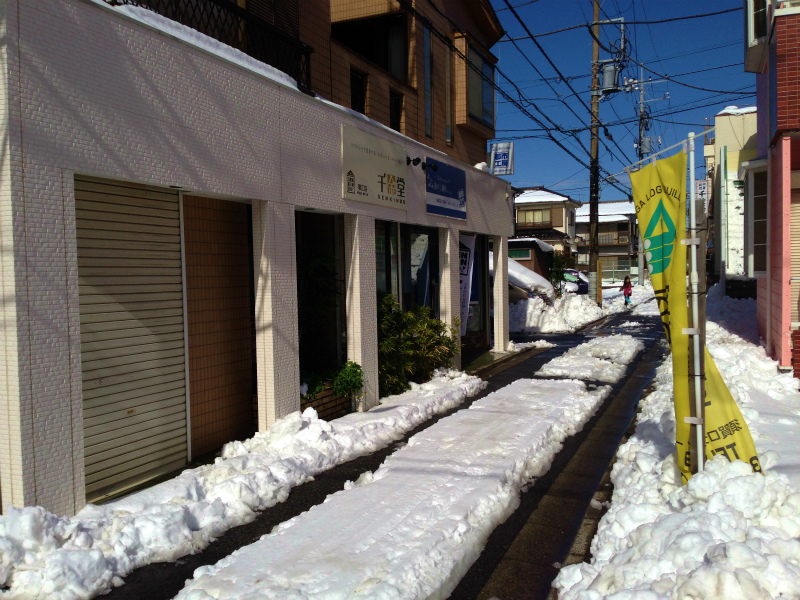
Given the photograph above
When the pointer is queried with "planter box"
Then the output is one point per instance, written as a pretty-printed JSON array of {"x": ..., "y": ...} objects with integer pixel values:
[{"x": 328, "y": 405}]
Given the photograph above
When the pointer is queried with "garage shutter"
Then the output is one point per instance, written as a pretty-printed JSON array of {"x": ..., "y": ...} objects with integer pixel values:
[{"x": 132, "y": 333}]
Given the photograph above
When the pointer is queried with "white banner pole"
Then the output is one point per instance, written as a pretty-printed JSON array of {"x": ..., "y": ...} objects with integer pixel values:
[{"x": 693, "y": 241}]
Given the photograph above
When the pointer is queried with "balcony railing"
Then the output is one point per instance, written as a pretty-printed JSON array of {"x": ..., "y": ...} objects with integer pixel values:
[{"x": 232, "y": 25}]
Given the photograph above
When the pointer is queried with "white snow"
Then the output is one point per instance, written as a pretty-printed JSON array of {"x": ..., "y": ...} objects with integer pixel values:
[
  {"x": 544, "y": 246},
  {"x": 728, "y": 534},
  {"x": 541, "y": 195},
  {"x": 46, "y": 556},
  {"x": 520, "y": 346},
  {"x": 413, "y": 528},
  {"x": 735, "y": 110},
  {"x": 609, "y": 208},
  {"x": 601, "y": 359},
  {"x": 524, "y": 278},
  {"x": 571, "y": 312}
]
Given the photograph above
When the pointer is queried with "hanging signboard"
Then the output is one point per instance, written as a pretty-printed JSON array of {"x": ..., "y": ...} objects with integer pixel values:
[
  {"x": 502, "y": 161},
  {"x": 373, "y": 169},
  {"x": 446, "y": 189}
]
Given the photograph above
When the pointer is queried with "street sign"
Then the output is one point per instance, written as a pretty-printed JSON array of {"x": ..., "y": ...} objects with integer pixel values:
[{"x": 502, "y": 160}]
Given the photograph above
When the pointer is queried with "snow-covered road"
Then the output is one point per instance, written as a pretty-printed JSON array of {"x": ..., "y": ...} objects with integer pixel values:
[{"x": 413, "y": 528}]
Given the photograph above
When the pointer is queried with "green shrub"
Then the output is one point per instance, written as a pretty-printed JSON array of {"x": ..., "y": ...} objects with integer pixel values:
[
  {"x": 411, "y": 345},
  {"x": 349, "y": 381}
]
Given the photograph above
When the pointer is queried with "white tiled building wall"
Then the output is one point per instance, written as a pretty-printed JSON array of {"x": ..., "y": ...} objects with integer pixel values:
[{"x": 88, "y": 90}]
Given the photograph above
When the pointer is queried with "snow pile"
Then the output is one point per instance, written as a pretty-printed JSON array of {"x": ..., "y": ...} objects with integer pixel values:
[
  {"x": 728, "y": 533},
  {"x": 524, "y": 278},
  {"x": 45, "y": 556},
  {"x": 412, "y": 528},
  {"x": 520, "y": 346},
  {"x": 572, "y": 312},
  {"x": 601, "y": 359}
]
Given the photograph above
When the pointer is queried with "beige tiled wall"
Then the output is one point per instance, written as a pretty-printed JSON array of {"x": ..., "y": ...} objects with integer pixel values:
[{"x": 103, "y": 95}]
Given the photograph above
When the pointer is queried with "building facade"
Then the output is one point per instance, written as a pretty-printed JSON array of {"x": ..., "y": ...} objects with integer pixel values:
[
  {"x": 733, "y": 144},
  {"x": 617, "y": 232},
  {"x": 164, "y": 201},
  {"x": 548, "y": 216},
  {"x": 771, "y": 180}
]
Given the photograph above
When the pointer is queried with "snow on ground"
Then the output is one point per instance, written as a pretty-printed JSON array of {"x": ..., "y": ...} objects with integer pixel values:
[
  {"x": 572, "y": 311},
  {"x": 413, "y": 528},
  {"x": 601, "y": 359},
  {"x": 729, "y": 533},
  {"x": 46, "y": 556},
  {"x": 520, "y": 346}
]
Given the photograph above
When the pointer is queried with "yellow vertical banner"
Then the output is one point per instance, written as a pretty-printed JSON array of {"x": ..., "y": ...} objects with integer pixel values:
[
  {"x": 659, "y": 196},
  {"x": 726, "y": 431}
]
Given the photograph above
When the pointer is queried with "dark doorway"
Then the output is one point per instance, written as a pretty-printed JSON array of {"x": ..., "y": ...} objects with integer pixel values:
[
  {"x": 419, "y": 248},
  {"x": 320, "y": 293}
]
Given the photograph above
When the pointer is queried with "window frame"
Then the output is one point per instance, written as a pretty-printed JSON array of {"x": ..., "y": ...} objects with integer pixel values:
[
  {"x": 750, "y": 244},
  {"x": 427, "y": 53},
  {"x": 471, "y": 49}
]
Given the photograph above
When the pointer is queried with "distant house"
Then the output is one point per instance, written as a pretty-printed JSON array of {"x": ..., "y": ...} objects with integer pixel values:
[
  {"x": 547, "y": 216},
  {"x": 732, "y": 147},
  {"x": 617, "y": 238}
]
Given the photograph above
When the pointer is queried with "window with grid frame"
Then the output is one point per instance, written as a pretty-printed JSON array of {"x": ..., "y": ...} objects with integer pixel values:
[
  {"x": 481, "y": 88},
  {"x": 536, "y": 216}
]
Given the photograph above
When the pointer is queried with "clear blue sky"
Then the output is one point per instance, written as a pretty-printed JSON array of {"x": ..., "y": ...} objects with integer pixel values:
[{"x": 703, "y": 52}]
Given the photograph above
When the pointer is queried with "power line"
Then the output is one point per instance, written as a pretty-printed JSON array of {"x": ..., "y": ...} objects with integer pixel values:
[
  {"x": 560, "y": 74},
  {"x": 634, "y": 22},
  {"x": 443, "y": 38}
]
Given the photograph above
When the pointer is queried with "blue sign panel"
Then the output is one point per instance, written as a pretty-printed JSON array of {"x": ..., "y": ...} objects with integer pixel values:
[{"x": 446, "y": 188}]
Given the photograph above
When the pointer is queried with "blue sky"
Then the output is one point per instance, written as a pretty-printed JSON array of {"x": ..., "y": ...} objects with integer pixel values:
[{"x": 702, "y": 52}]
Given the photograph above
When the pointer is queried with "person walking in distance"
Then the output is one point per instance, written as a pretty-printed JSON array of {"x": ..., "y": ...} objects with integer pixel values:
[{"x": 627, "y": 291}]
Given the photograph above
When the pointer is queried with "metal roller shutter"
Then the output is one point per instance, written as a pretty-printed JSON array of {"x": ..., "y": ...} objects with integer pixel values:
[
  {"x": 132, "y": 333},
  {"x": 795, "y": 250}
]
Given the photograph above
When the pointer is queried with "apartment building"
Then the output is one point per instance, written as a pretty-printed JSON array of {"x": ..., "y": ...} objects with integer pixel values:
[
  {"x": 617, "y": 233},
  {"x": 771, "y": 179},
  {"x": 547, "y": 216},
  {"x": 183, "y": 182}
]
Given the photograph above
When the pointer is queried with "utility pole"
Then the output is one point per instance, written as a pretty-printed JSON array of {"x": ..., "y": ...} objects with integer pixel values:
[
  {"x": 594, "y": 165},
  {"x": 644, "y": 145}
]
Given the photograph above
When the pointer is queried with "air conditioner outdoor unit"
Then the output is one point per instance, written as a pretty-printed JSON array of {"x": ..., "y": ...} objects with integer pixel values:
[{"x": 622, "y": 239}]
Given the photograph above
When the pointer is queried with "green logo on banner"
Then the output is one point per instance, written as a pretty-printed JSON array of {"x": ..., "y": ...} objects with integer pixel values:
[{"x": 659, "y": 245}]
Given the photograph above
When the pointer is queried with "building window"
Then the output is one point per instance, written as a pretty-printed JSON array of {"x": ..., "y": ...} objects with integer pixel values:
[
  {"x": 757, "y": 260},
  {"x": 395, "y": 110},
  {"x": 481, "y": 88},
  {"x": 382, "y": 40},
  {"x": 358, "y": 91},
  {"x": 428, "y": 66},
  {"x": 448, "y": 97},
  {"x": 519, "y": 253},
  {"x": 538, "y": 217},
  {"x": 572, "y": 217}
]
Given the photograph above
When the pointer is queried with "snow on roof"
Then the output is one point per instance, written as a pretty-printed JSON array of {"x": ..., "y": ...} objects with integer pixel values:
[
  {"x": 602, "y": 218},
  {"x": 524, "y": 278},
  {"x": 735, "y": 110},
  {"x": 613, "y": 207},
  {"x": 544, "y": 246},
  {"x": 541, "y": 195}
]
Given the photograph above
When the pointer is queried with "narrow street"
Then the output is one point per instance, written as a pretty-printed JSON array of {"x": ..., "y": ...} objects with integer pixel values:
[{"x": 519, "y": 558}]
